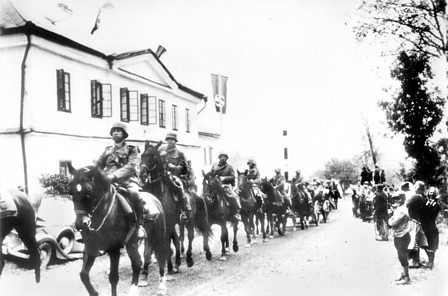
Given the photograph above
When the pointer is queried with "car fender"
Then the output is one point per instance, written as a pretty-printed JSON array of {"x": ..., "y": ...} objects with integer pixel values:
[{"x": 42, "y": 237}]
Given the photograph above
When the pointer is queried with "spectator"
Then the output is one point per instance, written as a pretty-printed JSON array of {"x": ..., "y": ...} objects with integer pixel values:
[
  {"x": 400, "y": 231},
  {"x": 377, "y": 175},
  {"x": 430, "y": 210},
  {"x": 364, "y": 175},
  {"x": 418, "y": 238},
  {"x": 380, "y": 214}
]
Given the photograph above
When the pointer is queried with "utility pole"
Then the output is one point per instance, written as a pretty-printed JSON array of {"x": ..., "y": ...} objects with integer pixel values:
[{"x": 285, "y": 153}]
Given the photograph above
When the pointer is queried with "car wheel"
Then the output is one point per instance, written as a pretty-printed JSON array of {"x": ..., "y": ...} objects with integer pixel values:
[
  {"x": 46, "y": 253},
  {"x": 66, "y": 241}
]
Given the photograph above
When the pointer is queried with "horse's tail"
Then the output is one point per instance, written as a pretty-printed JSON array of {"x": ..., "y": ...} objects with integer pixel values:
[{"x": 201, "y": 218}]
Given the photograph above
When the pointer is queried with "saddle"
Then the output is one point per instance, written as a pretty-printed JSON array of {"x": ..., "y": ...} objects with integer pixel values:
[
  {"x": 8, "y": 207},
  {"x": 150, "y": 210}
]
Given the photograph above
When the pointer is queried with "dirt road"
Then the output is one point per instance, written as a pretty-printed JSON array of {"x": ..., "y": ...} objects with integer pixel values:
[{"x": 337, "y": 258}]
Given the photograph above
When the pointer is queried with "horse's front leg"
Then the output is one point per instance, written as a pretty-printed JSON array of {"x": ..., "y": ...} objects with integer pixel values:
[
  {"x": 28, "y": 237},
  {"x": 87, "y": 264},
  {"x": 224, "y": 239},
  {"x": 235, "y": 238},
  {"x": 136, "y": 264},
  {"x": 205, "y": 243},
  {"x": 190, "y": 229},
  {"x": 181, "y": 237},
  {"x": 114, "y": 258},
  {"x": 176, "y": 244}
]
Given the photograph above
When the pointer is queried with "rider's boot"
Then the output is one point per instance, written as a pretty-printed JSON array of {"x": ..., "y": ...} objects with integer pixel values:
[{"x": 137, "y": 204}]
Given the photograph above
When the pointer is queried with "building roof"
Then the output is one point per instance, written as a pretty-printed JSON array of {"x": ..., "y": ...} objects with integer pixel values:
[{"x": 42, "y": 23}]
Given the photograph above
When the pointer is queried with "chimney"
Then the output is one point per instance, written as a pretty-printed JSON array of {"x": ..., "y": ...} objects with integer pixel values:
[{"x": 160, "y": 50}]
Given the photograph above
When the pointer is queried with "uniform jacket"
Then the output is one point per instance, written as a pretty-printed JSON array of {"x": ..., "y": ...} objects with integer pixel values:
[
  {"x": 175, "y": 157},
  {"x": 253, "y": 174},
  {"x": 122, "y": 160},
  {"x": 225, "y": 171},
  {"x": 278, "y": 180}
]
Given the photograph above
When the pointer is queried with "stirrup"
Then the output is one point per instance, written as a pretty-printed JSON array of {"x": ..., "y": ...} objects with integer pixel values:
[{"x": 183, "y": 217}]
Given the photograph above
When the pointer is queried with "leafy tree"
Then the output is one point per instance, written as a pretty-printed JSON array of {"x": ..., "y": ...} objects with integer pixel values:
[
  {"x": 345, "y": 171},
  {"x": 417, "y": 25},
  {"x": 55, "y": 184},
  {"x": 415, "y": 112}
]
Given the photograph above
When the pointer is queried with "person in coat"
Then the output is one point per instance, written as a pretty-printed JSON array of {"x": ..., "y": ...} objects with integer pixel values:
[
  {"x": 430, "y": 210},
  {"x": 226, "y": 174}
]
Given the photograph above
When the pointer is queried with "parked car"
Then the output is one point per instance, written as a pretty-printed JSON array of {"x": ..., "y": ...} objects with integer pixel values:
[{"x": 55, "y": 234}]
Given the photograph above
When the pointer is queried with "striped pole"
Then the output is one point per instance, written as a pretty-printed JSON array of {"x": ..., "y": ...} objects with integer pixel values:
[{"x": 285, "y": 154}]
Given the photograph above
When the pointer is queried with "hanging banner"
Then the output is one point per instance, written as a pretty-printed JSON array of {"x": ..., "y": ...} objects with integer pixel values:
[{"x": 224, "y": 94}]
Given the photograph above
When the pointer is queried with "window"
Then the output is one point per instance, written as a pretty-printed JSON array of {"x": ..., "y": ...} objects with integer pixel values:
[
  {"x": 162, "y": 113},
  {"x": 107, "y": 100},
  {"x": 63, "y": 167},
  {"x": 174, "y": 116},
  {"x": 63, "y": 90},
  {"x": 100, "y": 99},
  {"x": 133, "y": 105},
  {"x": 187, "y": 120},
  {"x": 124, "y": 104},
  {"x": 152, "y": 110}
]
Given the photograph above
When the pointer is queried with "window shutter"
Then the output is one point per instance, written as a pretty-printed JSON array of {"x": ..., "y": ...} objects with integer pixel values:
[
  {"x": 124, "y": 104},
  {"x": 60, "y": 89}
]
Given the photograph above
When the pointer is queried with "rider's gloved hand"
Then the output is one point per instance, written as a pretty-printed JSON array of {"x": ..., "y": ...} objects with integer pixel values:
[{"x": 111, "y": 178}]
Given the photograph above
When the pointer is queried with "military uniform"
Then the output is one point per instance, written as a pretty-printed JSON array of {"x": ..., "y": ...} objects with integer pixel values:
[
  {"x": 176, "y": 165},
  {"x": 254, "y": 175},
  {"x": 227, "y": 174}
]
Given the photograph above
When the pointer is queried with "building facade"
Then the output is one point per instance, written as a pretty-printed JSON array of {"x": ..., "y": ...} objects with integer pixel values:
[{"x": 60, "y": 98}]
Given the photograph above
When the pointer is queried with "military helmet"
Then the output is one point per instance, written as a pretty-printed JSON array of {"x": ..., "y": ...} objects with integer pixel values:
[
  {"x": 171, "y": 136},
  {"x": 122, "y": 126},
  {"x": 223, "y": 153},
  {"x": 277, "y": 170},
  {"x": 251, "y": 161}
]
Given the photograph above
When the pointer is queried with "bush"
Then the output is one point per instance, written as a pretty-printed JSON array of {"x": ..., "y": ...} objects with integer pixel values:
[{"x": 55, "y": 184}]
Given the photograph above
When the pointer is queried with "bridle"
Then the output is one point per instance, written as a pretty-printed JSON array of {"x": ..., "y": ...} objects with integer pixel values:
[{"x": 148, "y": 178}]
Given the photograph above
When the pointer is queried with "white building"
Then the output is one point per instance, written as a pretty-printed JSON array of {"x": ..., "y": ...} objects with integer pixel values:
[{"x": 59, "y": 99}]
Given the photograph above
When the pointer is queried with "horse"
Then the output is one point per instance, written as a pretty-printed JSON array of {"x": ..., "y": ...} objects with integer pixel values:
[
  {"x": 301, "y": 205},
  {"x": 219, "y": 211},
  {"x": 251, "y": 207},
  {"x": 275, "y": 208},
  {"x": 156, "y": 181},
  {"x": 111, "y": 229},
  {"x": 21, "y": 217},
  {"x": 197, "y": 219}
]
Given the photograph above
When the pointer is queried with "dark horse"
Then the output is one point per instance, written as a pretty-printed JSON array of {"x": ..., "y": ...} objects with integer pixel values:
[
  {"x": 24, "y": 222},
  {"x": 251, "y": 207},
  {"x": 197, "y": 219},
  {"x": 156, "y": 181},
  {"x": 275, "y": 208},
  {"x": 219, "y": 211},
  {"x": 301, "y": 204},
  {"x": 110, "y": 228}
]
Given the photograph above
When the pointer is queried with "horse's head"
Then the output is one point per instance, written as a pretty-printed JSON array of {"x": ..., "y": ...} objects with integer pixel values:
[
  {"x": 150, "y": 159},
  {"x": 265, "y": 185},
  {"x": 81, "y": 188},
  {"x": 243, "y": 183}
]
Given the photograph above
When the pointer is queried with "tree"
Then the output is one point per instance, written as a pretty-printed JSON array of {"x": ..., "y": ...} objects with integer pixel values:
[
  {"x": 415, "y": 112},
  {"x": 343, "y": 170},
  {"x": 417, "y": 25}
]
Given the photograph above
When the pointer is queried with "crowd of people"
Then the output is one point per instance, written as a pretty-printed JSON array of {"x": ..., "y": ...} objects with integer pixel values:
[{"x": 408, "y": 212}]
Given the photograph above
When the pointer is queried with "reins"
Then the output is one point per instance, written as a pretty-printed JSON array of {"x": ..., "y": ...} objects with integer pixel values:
[{"x": 109, "y": 210}]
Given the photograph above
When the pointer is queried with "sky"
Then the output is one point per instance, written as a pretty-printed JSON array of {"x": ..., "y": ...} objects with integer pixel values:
[{"x": 292, "y": 65}]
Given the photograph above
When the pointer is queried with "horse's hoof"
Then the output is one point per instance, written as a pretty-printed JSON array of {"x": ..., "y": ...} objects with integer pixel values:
[
  {"x": 265, "y": 240},
  {"x": 235, "y": 248},
  {"x": 208, "y": 255},
  {"x": 143, "y": 283},
  {"x": 190, "y": 262},
  {"x": 222, "y": 258},
  {"x": 271, "y": 236},
  {"x": 247, "y": 245},
  {"x": 175, "y": 270}
]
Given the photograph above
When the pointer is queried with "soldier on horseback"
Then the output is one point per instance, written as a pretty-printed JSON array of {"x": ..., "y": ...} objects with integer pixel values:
[
  {"x": 225, "y": 172},
  {"x": 278, "y": 181},
  {"x": 178, "y": 170},
  {"x": 120, "y": 162},
  {"x": 253, "y": 177}
]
